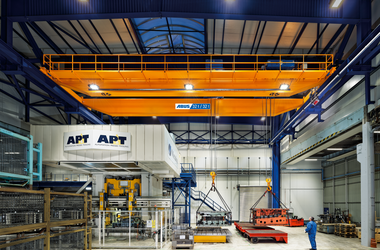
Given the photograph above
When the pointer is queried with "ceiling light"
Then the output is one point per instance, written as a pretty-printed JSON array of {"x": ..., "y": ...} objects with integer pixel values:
[
  {"x": 154, "y": 117},
  {"x": 189, "y": 86},
  {"x": 311, "y": 159},
  {"x": 83, "y": 0},
  {"x": 88, "y": 188},
  {"x": 335, "y": 3},
  {"x": 217, "y": 117},
  {"x": 335, "y": 149},
  {"x": 94, "y": 87},
  {"x": 263, "y": 118},
  {"x": 377, "y": 132},
  {"x": 284, "y": 86},
  {"x": 229, "y": 1}
]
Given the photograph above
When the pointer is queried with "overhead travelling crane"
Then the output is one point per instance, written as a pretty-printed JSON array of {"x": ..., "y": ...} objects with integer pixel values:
[{"x": 151, "y": 85}]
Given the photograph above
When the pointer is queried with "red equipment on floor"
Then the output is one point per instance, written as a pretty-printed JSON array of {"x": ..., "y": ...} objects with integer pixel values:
[
  {"x": 277, "y": 235},
  {"x": 253, "y": 233},
  {"x": 273, "y": 216}
]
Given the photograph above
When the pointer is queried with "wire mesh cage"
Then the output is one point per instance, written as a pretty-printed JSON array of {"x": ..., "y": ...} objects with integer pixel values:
[
  {"x": 72, "y": 241},
  {"x": 37, "y": 244},
  {"x": 13, "y": 155},
  {"x": 18, "y": 209},
  {"x": 65, "y": 207}
]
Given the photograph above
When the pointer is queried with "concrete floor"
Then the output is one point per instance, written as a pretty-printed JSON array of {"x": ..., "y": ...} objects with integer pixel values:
[{"x": 297, "y": 239}]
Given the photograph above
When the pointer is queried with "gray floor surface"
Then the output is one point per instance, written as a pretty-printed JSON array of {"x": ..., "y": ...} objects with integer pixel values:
[{"x": 297, "y": 240}]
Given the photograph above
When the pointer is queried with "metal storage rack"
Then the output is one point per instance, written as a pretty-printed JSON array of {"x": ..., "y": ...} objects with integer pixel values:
[{"x": 58, "y": 220}]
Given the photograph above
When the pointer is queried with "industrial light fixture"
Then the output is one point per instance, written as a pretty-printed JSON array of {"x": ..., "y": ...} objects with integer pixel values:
[
  {"x": 189, "y": 86},
  {"x": 263, "y": 118},
  {"x": 94, "y": 87},
  {"x": 83, "y": 0},
  {"x": 335, "y": 149},
  {"x": 154, "y": 117},
  {"x": 311, "y": 159},
  {"x": 88, "y": 188},
  {"x": 229, "y": 1},
  {"x": 335, "y": 3},
  {"x": 284, "y": 86},
  {"x": 377, "y": 132},
  {"x": 217, "y": 117}
]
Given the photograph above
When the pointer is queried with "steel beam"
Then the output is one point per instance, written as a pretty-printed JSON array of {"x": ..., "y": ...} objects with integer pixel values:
[
  {"x": 312, "y": 11},
  {"x": 85, "y": 31},
  {"x": 54, "y": 26},
  {"x": 118, "y": 35},
  {"x": 339, "y": 54},
  {"x": 45, "y": 37},
  {"x": 254, "y": 40},
  {"x": 261, "y": 36},
  {"x": 279, "y": 37},
  {"x": 298, "y": 38},
  {"x": 332, "y": 40},
  {"x": 37, "y": 51},
  {"x": 36, "y": 76},
  {"x": 359, "y": 53},
  {"x": 100, "y": 36},
  {"x": 241, "y": 38},
  {"x": 319, "y": 35}
]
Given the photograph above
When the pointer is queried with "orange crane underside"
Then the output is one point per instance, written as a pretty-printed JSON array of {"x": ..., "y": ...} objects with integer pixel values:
[{"x": 128, "y": 84}]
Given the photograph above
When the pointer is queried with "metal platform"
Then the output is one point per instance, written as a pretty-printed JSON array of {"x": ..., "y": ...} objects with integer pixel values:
[
  {"x": 254, "y": 235},
  {"x": 211, "y": 234},
  {"x": 242, "y": 227}
]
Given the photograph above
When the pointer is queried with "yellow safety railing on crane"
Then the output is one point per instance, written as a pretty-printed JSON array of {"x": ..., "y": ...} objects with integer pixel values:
[{"x": 121, "y": 62}]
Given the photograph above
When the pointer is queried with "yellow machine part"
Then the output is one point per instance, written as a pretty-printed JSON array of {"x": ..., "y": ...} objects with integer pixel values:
[
  {"x": 119, "y": 190},
  {"x": 101, "y": 201},
  {"x": 210, "y": 238}
]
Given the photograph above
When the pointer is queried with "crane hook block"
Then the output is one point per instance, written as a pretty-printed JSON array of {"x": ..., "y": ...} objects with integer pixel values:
[
  {"x": 268, "y": 180},
  {"x": 213, "y": 174}
]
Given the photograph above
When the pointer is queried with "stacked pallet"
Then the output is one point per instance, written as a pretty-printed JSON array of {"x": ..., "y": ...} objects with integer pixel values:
[
  {"x": 377, "y": 235},
  {"x": 359, "y": 232},
  {"x": 345, "y": 230},
  {"x": 328, "y": 228}
]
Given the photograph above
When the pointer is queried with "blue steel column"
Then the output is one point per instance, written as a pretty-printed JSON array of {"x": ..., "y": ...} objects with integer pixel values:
[
  {"x": 189, "y": 202},
  {"x": 276, "y": 164},
  {"x": 30, "y": 160},
  {"x": 276, "y": 173}
]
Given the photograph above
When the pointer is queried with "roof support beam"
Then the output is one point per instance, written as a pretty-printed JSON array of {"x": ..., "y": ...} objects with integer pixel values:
[
  {"x": 118, "y": 35},
  {"x": 261, "y": 36},
  {"x": 311, "y": 11},
  {"x": 45, "y": 37},
  {"x": 136, "y": 32},
  {"x": 242, "y": 35},
  {"x": 73, "y": 37},
  {"x": 279, "y": 37},
  {"x": 62, "y": 38},
  {"x": 318, "y": 38},
  {"x": 298, "y": 38},
  {"x": 6, "y": 23},
  {"x": 335, "y": 36},
  {"x": 85, "y": 31},
  {"x": 130, "y": 34},
  {"x": 100, "y": 36},
  {"x": 27, "y": 97},
  {"x": 170, "y": 35},
  {"x": 254, "y": 40},
  {"x": 37, "y": 51},
  {"x": 213, "y": 38},
  {"x": 224, "y": 26},
  {"x": 49, "y": 86},
  {"x": 339, "y": 54},
  {"x": 205, "y": 35},
  {"x": 78, "y": 34}
]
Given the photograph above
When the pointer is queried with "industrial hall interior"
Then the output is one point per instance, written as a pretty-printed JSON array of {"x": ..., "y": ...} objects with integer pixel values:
[{"x": 189, "y": 124}]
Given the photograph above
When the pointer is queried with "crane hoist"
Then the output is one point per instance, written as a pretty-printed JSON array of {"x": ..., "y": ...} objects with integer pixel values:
[{"x": 273, "y": 216}]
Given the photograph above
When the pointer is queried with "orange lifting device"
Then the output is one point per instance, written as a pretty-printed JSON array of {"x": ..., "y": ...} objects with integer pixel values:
[{"x": 273, "y": 216}]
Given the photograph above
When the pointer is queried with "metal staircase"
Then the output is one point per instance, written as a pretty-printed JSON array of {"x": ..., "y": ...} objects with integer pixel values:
[{"x": 185, "y": 184}]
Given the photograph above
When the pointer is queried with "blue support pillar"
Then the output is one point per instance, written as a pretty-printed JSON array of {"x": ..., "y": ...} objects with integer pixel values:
[
  {"x": 276, "y": 173},
  {"x": 276, "y": 165}
]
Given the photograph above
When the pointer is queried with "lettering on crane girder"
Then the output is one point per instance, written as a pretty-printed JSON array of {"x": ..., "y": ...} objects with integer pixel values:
[{"x": 192, "y": 106}]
